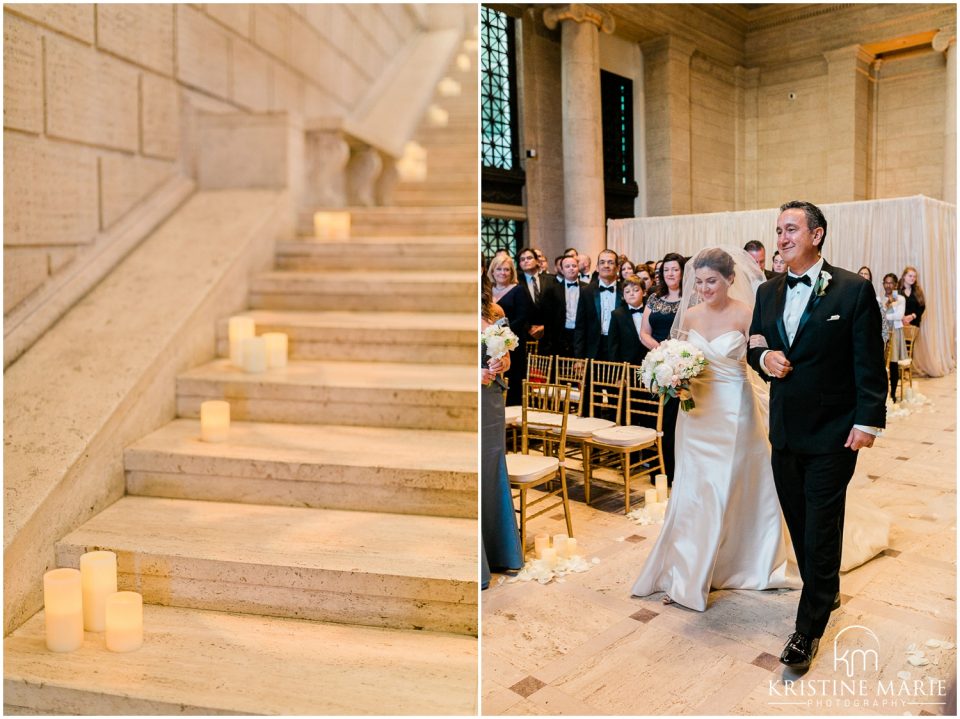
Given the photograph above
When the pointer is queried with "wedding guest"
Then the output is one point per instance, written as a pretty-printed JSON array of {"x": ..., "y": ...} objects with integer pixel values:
[
  {"x": 542, "y": 260},
  {"x": 658, "y": 315},
  {"x": 560, "y": 310},
  {"x": 893, "y": 305},
  {"x": 531, "y": 277},
  {"x": 910, "y": 290},
  {"x": 518, "y": 308},
  {"x": 779, "y": 266},
  {"x": 866, "y": 273},
  {"x": 627, "y": 268},
  {"x": 625, "y": 324},
  {"x": 600, "y": 299},
  {"x": 500, "y": 537},
  {"x": 759, "y": 253},
  {"x": 585, "y": 262},
  {"x": 646, "y": 277}
]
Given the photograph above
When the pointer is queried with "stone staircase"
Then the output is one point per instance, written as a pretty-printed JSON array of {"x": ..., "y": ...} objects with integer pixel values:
[{"x": 324, "y": 559}]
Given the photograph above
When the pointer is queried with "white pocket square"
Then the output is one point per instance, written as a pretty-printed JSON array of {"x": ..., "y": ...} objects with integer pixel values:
[{"x": 833, "y": 317}]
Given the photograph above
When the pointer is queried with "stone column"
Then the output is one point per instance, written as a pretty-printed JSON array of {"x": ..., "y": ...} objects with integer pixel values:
[
  {"x": 583, "y": 204},
  {"x": 848, "y": 93},
  {"x": 666, "y": 79},
  {"x": 747, "y": 137},
  {"x": 945, "y": 41}
]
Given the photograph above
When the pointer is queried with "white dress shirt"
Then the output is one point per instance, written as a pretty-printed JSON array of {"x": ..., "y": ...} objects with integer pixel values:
[
  {"x": 608, "y": 301},
  {"x": 573, "y": 299}
]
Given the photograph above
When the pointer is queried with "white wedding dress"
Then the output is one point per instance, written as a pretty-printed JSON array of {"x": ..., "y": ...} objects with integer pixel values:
[{"x": 724, "y": 528}]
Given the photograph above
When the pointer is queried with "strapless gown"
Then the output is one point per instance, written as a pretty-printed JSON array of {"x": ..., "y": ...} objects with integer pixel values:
[{"x": 723, "y": 528}]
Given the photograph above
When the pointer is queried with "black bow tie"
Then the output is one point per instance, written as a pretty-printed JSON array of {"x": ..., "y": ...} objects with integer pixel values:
[
  {"x": 573, "y": 284},
  {"x": 607, "y": 289},
  {"x": 802, "y": 279},
  {"x": 634, "y": 310}
]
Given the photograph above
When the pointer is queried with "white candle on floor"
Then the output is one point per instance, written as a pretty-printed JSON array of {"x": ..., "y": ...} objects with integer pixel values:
[
  {"x": 254, "y": 351},
  {"x": 549, "y": 556},
  {"x": 214, "y": 421},
  {"x": 540, "y": 542},
  {"x": 650, "y": 497},
  {"x": 572, "y": 550},
  {"x": 661, "y": 487},
  {"x": 560, "y": 544},
  {"x": 239, "y": 329},
  {"x": 63, "y": 609},
  {"x": 276, "y": 349},
  {"x": 98, "y": 577},
  {"x": 124, "y": 622}
]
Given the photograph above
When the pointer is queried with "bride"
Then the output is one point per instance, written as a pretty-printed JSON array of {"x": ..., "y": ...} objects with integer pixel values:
[{"x": 724, "y": 528}]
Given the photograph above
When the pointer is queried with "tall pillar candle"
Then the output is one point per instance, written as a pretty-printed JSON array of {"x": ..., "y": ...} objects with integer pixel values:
[
  {"x": 661, "y": 484},
  {"x": 650, "y": 497},
  {"x": 239, "y": 329},
  {"x": 540, "y": 542},
  {"x": 63, "y": 609},
  {"x": 98, "y": 575},
  {"x": 124, "y": 619},
  {"x": 560, "y": 544},
  {"x": 277, "y": 343},
  {"x": 254, "y": 351},
  {"x": 572, "y": 550},
  {"x": 214, "y": 421}
]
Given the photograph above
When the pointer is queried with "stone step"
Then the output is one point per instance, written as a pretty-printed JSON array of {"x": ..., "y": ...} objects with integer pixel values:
[
  {"x": 378, "y": 253},
  {"x": 404, "y": 471},
  {"x": 365, "y": 394},
  {"x": 370, "y": 336},
  {"x": 202, "y": 662},
  {"x": 420, "y": 197},
  {"x": 375, "y": 290},
  {"x": 390, "y": 570},
  {"x": 398, "y": 221}
]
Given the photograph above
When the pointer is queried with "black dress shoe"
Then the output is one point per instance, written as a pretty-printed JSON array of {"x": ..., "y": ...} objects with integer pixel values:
[
  {"x": 799, "y": 651},
  {"x": 836, "y": 603}
]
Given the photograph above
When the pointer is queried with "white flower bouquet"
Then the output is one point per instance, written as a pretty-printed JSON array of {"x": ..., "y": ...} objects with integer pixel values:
[
  {"x": 499, "y": 340},
  {"x": 668, "y": 370}
]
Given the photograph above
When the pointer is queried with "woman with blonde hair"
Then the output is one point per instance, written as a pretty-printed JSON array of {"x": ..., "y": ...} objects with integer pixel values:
[
  {"x": 516, "y": 304},
  {"x": 909, "y": 287}
]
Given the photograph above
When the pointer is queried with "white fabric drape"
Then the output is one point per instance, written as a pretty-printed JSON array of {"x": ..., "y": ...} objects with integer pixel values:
[{"x": 885, "y": 235}]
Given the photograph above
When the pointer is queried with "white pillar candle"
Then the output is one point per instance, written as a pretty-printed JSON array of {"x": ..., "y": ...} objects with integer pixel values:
[
  {"x": 331, "y": 225},
  {"x": 124, "y": 622},
  {"x": 214, "y": 421},
  {"x": 540, "y": 542},
  {"x": 448, "y": 87},
  {"x": 276, "y": 348},
  {"x": 572, "y": 550},
  {"x": 254, "y": 350},
  {"x": 549, "y": 556},
  {"x": 239, "y": 329},
  {"x": 661, "y": 481},
  {"x": 63, "y": 609},
  {"x": 560, "y": 544},
  {"x": 650, "y": 497},
  {"x": 463, "y": 62},
  {"x": 98, "y": 576},
  {"x": 437, "y": 116}
]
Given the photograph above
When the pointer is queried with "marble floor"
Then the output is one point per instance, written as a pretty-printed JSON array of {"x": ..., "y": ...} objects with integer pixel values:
[{"x": 585, "y": 646}]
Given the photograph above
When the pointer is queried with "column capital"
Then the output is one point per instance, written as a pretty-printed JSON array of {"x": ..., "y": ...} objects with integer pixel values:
[
  {"x": 849, "y": 55},
  {"x": 669, "y": 44},
  {"x": 579, "y": 12},
  {"x": 943, "y": 39}
]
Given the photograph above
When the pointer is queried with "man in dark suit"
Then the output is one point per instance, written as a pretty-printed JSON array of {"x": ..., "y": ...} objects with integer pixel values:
[
  {"x": 533, "y": 280},
  {"x": 814, "y": 337},
  {"x": 625, "y": 345},
  {"x": 593, "y": 326},
  {"x": 560, "y": 310},
  {"x": 759, "y": 253}
]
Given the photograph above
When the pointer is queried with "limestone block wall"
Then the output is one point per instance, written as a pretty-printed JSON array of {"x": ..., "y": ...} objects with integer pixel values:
[
  {"x": 99, "y": 103},
  {"x": 713, "y": 121}
]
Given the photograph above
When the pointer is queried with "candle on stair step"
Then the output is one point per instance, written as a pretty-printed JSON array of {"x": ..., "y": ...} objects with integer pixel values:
[
  {"x": 98, "y": 577},
  {"x": 540, "y": 542},
  {"x": 448, "y": 87},
  {"x": 63, "y": 609},
  {"x": 276, "y": 349},
  {"x": 650, "y": 497},
  {"x": 661, "y": 485},
  {"x": 214, "y": 420},
  {"x": 239, "y": 329},
  {"x": 463, "y": 62},
  {"x": 560, "y": 544},
  {"x": 437, "y": 116},
  {"x": 124, "y": 620},
  {"x": 254, "y": 351},
  {"x": 331, "y": 225}
]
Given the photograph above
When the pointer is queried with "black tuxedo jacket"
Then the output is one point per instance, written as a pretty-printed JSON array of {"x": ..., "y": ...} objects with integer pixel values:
[
  {"x": 544, "y": 281},
  {"x": 553, "y": 313},
  {"x": 587, "y": 337},
  {"x": 625, "y": 345},
  {"x": 838, "y": 378}
]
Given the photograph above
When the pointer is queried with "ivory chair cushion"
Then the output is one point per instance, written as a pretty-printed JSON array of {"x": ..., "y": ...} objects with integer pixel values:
[
  {"x": 905, "y": 362},
  {"x": 524, "y": 468},
  {"x": 629, "y": 436},
  {"x": 513, "y": 414},
  {"x": 583, "y": 427}
]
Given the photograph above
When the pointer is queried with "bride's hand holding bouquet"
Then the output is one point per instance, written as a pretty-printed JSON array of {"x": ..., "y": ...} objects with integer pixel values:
[{"x": 668, "y": 369}]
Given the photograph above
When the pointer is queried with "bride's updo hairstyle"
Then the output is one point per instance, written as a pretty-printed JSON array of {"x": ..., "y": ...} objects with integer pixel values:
[{"x": 717, "y": 260}]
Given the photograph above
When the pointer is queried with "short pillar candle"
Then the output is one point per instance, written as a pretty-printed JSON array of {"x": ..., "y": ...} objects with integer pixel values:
[
  {"x": 239, "y": 328},
  {"x": 214, "y": 421},
  {"x": 560, "y": 544},
  {"x": 331, "y": 225},
  {"x": 276, "y": 348},
  {"x": 540, "y": 542},
  {"x": 98, "y": 577},
  {"x": 63, "y": 609},
  {"x": 661, "y": 484},
  {"x": 254, "y": 354},
  {"x": 437, "y": 116},
  {"x": 124, "y": 621},
  {"x": 549, "y": 556},
  {"x": 572, "y": 550},
  {"x": 650, "y": 497}
]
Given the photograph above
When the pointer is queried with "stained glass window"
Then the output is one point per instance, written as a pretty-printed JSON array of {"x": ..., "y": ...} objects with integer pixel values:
[
  {"x": 620, "y": 187},
  {"x": 498, "y": 234},
  {"x": 498, "y": 90}
]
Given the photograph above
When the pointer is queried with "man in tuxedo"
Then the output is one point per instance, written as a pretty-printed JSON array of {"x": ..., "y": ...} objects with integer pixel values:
[
  {"x": 759, "y": 253},
  {"x": 602, "y": 298},
  {"x": 625, "y": 345},
  {"x": 814, "y": 338},
  {"x": 532, "y": 279},
  {"x": 560, "y": 309}
]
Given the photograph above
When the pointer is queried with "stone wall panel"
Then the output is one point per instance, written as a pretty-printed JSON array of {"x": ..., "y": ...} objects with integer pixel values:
[
  {"x": 49, "y": 192},
  {"x": 160, "y": 118},
  {"x": 251, "y": 77},
  {"x": 236, "y": 17},
  {"x": 125, "y": 181},
  {"x": 271, "y": 30},
  {"x": 287, "y": 92},
  {"x": 141, "y": 33},
  {"x": 91, "y": 97},
  {"x": 22, "y": 81},
  {"x": 24, "y": 270},
  {"x": 71, "y": 19},
  {"x": 203, "y": 52}
]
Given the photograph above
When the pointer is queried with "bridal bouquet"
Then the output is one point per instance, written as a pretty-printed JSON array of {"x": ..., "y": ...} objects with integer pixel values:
[
  {"x": 668, "y": 369},
  {"x": 499, "y": 340}
]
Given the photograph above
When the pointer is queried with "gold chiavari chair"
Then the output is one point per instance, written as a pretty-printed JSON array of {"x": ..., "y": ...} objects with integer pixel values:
[
  {"x": 538, "y": 372},
  {"x": 905, "y": 366},
  {"x": 573, "y": 371},
  {"x": 543, "y": 413},
  {"x": 532, "y": 347},
  {"x": 638, "y": 448},
  {"x": 604, "y": 396}
]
